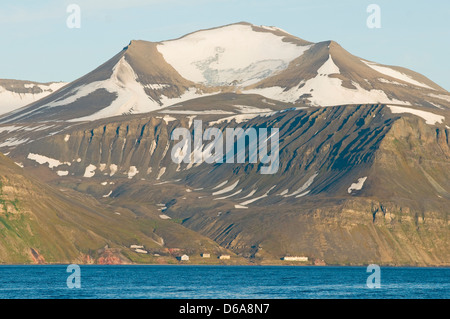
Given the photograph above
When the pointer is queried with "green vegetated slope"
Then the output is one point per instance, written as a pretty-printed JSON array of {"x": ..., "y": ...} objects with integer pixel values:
[{"x": 42, "y": 224}]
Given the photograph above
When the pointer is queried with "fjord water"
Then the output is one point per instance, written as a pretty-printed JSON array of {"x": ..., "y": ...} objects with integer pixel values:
[{"x": 259, "y": 282}]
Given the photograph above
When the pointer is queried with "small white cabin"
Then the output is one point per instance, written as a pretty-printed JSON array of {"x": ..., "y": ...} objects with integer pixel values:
[{"x": 295, "y": 258}]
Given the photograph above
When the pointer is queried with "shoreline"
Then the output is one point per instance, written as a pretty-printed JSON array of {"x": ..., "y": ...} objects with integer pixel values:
[{"x": 233, "y": 265}]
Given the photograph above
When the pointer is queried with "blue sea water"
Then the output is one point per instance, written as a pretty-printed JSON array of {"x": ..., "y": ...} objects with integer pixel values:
[{"x": 230, "y": 282}]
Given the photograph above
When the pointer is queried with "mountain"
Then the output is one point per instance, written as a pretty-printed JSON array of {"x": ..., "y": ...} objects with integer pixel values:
[
  {"x": 363, "y": 171},
  {"x": 239, "y": 58},
  {"x": 17, "y": 93}
]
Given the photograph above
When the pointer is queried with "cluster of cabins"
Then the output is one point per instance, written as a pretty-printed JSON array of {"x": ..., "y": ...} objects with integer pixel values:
[
  {"x": 139, "y": 249},
  {"x": 205, "y": 255}
]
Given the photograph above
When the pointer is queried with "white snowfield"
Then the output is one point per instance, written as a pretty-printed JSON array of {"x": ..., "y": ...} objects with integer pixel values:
[
  {"x": 358, "y": 185},
  {"x": 382, "y": 80},
  {"x": 272, "y": 28},
  {"x": 250, "y": 194},
  {"x": 226, "y": 189},
  {"x": 41, "y": 159},
  {"x": 221, "y": 184},
  {"x": 328, "y": 67},
  {"x": 257, "y": 198},
  {"x": 12, "y": 142},
  {"x": 161, "y": 172},
  {"x": 440, "y": 96},
  {"x": 231, "y": 53},
  {"x": 430, "y": 118},
  {"x": 395, "y": 74},
  {"x": 132, "y": 172},
  {"x": 246, "y": 109},
  {"x": 206, "y": 112},
  {"x": 325, "y": 91},
  {"x": 113, "y": 169},
  {"x": 10, "y": 101},
  {"x": 19, "y": 164},
  {"x": 107, "y": 195},
  {"x": 237, "y": 118},
  {"x": 303, "y": 188},
  {"x": 90, "y": 171},
  {"x": 231, "y": 195},
  {"x": 167, "y": 118}
]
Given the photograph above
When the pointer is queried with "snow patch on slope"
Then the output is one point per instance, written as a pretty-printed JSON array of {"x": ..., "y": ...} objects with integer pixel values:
[
  {"x": 113, "y": 169},
  {"x": 328, "y": 67},
  {"x": 237, "y": 118},
  {"x": 10, "y": 101},
  {"x": 257, "y": 198},
  {"x": 305, "y": 186},
  {"x": 161, "y": 172},
  {"x": 89, "y": 171},
  {"x": 326, "y": 91},
  {"x": 272, "y": 28},
  {"x": 430, "y": 118},
  {"x": 41, "y": 159},
  {"x": 205, "y": 112},
  {"x": 132, "y": 172},
  {"x": 358, "y": 185},
  {"x": 13, "y": 142},
  {"x": 226, "y": 189},
  {"x": 440, "y": 96},
  {"x": 221, "y": 184},
  {"x": 395, "y": 74}
]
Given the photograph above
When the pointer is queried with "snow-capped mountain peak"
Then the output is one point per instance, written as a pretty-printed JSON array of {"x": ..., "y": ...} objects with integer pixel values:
[
  {"x": 240, "y": 58},
  {"x": 237, "y": 54}
]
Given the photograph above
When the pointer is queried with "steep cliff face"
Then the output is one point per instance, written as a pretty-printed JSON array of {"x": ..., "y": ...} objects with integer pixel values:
[
  {"x": 356, "y": 184},
  {"x": 329, "y": 143},
  {"x": 414, "y": 158},
  {"x": 400, "y": 216},
  {"x": 353, "y": 232}
]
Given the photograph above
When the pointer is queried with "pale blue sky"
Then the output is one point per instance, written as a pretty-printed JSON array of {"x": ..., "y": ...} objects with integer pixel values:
[{"x": 37, "y": 45}]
